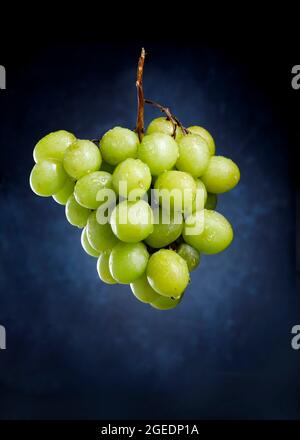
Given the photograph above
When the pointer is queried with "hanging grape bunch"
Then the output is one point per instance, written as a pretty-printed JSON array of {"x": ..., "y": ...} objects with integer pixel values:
[{"x": 145, "y": 201}]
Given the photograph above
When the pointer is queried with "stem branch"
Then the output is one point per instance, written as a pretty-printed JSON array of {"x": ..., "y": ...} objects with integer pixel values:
[
  {"x": 166, "y": 110},
  {"x": 140, "y": 95}
]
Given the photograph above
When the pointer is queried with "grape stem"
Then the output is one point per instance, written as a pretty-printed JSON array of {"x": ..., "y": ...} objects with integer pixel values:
[
  {"x": 166, "y": 110},
  {"x": 140, "y": 96}
]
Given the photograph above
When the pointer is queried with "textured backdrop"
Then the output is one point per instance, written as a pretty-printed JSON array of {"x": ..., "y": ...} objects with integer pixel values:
[{"x": 77, "y": 348}]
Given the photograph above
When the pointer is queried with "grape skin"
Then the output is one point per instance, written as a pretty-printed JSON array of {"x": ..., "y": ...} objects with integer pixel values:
[
  {"x": 100, "y": 237},
  {"x": 194, "y": 155},
  {"x": 143, "y": 291},
  {"x": 47, "y": 178},
  {"x": 128, "y": 261},
  {"x": 103, "y": 268},
  {"x": 76, "y": 214},
  {"x": 159, "y": 151},
  {"x": 135, "y": 173},
  {"x": 86, "y": 245},
  {"x": 53, "y": 146},
  {"x": 201, "y": 196},
  {"x": 164, "y": 234},
  {"x": 64, "y": 193},
  {"x": 119, "y": 144},
  {"x": 190, "y": 255},
  {"x": 161, "y": 125},
  {"x": 165, "y": 303},
  {"x": 179, "y": 181},
  {"x": 87, "y": 187},
  {"x": 221, "y": 175},
  {"x": 206, "y": 135},
  {"x": 167, "y": 273},
  {"x": 216, "y": 235},
  {"x": 132, "y": 222},
  {"x": 82, "y": 157}
]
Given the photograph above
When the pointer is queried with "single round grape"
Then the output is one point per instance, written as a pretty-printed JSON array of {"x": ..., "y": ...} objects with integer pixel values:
[
  {"x": 161, "y": 125},
  {"x": 165, "y": 303},
  {"x": 211, "y": 201},
  {"x": 221, "y": 175},
  {"x": 88, "y": 186},
  {"x": 167, "y": 230},
  {"x": 119, "y": 144},
  {"x": 143, "y": 291},
  {"x": 103, "y": 268},
  {"x": 190, "y": 255},
  {"x": 132, "y": 221},
  {"x": 81, "y": 158},
  {"x": 53, "y": 146},
  {"x": 107, "y": 167},
  {"x": 177, "y": 190},
  {"x": 86, "y": 245},
  {"x": 76, "y": 214},
  {"x": 63, "y": 194},
  {"x": 128, "y": 261},
  {"x": 131, "y": 175},
  {"x": 159, "y": 151},
  {"x": 47, "y": 178},
  {"x": 195, "y": 129},
  {"x": 216, "y": 234},
  {"x": 167, "y": 273},
  {"x": 100, "y": 237},
  {"x": 194, "y": 154}
]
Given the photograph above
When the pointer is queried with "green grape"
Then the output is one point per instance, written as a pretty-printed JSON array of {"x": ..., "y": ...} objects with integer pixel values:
[
  {"x": 211, "y": 201},
  {"x": 167, "y": 273},
  {"x": 143, "y": 291},
  {"x": 53, "y": 146},
  {"x": 64, "y": 193},
  {"x": 88, "y": 186},
  {"x": 167, "y": 228},
  {"x": 161, "y": 125},
  {"x": 47, "y": 178},
  {"x": 195, "y": 129},
  {"x": 159, "y": 151},
  {"x": 81, "y": 158},
  {"x": 132, "y": 221},
  {"x": 201, "y": 197},
  {"x": 107, "y": 167},
  {"x": 128, "y": 261},
  {"x": 86, "y": 245},
  {"x": 119, "y": 144},
  {"x": 100, "y": 237},
  {"x": 165, "y": 303},
  {"x": 193, "y": 155},
  {"x": 103, "y": 268},
  {"x": 131, "y": 175},
  {"x": 76, "y": 214},
  {"x": 221, "y": 175},
  {"x": 177, "y": 190},
  {"x": 214, "y": 236},
  {"x": 190, "y": 255}
]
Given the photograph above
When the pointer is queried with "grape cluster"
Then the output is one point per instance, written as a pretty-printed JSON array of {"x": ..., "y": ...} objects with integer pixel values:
[{"x": 135, "y": 245}]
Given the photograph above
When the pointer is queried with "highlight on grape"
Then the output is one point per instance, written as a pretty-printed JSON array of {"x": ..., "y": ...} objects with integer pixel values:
[{"x": 144, "y": 199}]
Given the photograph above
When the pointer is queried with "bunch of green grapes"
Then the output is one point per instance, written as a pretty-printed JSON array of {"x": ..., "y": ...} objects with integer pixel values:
[{"x": 161, "y": 217}]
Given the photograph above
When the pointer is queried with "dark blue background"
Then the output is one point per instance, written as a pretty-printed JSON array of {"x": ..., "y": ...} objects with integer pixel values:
[{"x": 77, "y": 348}]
